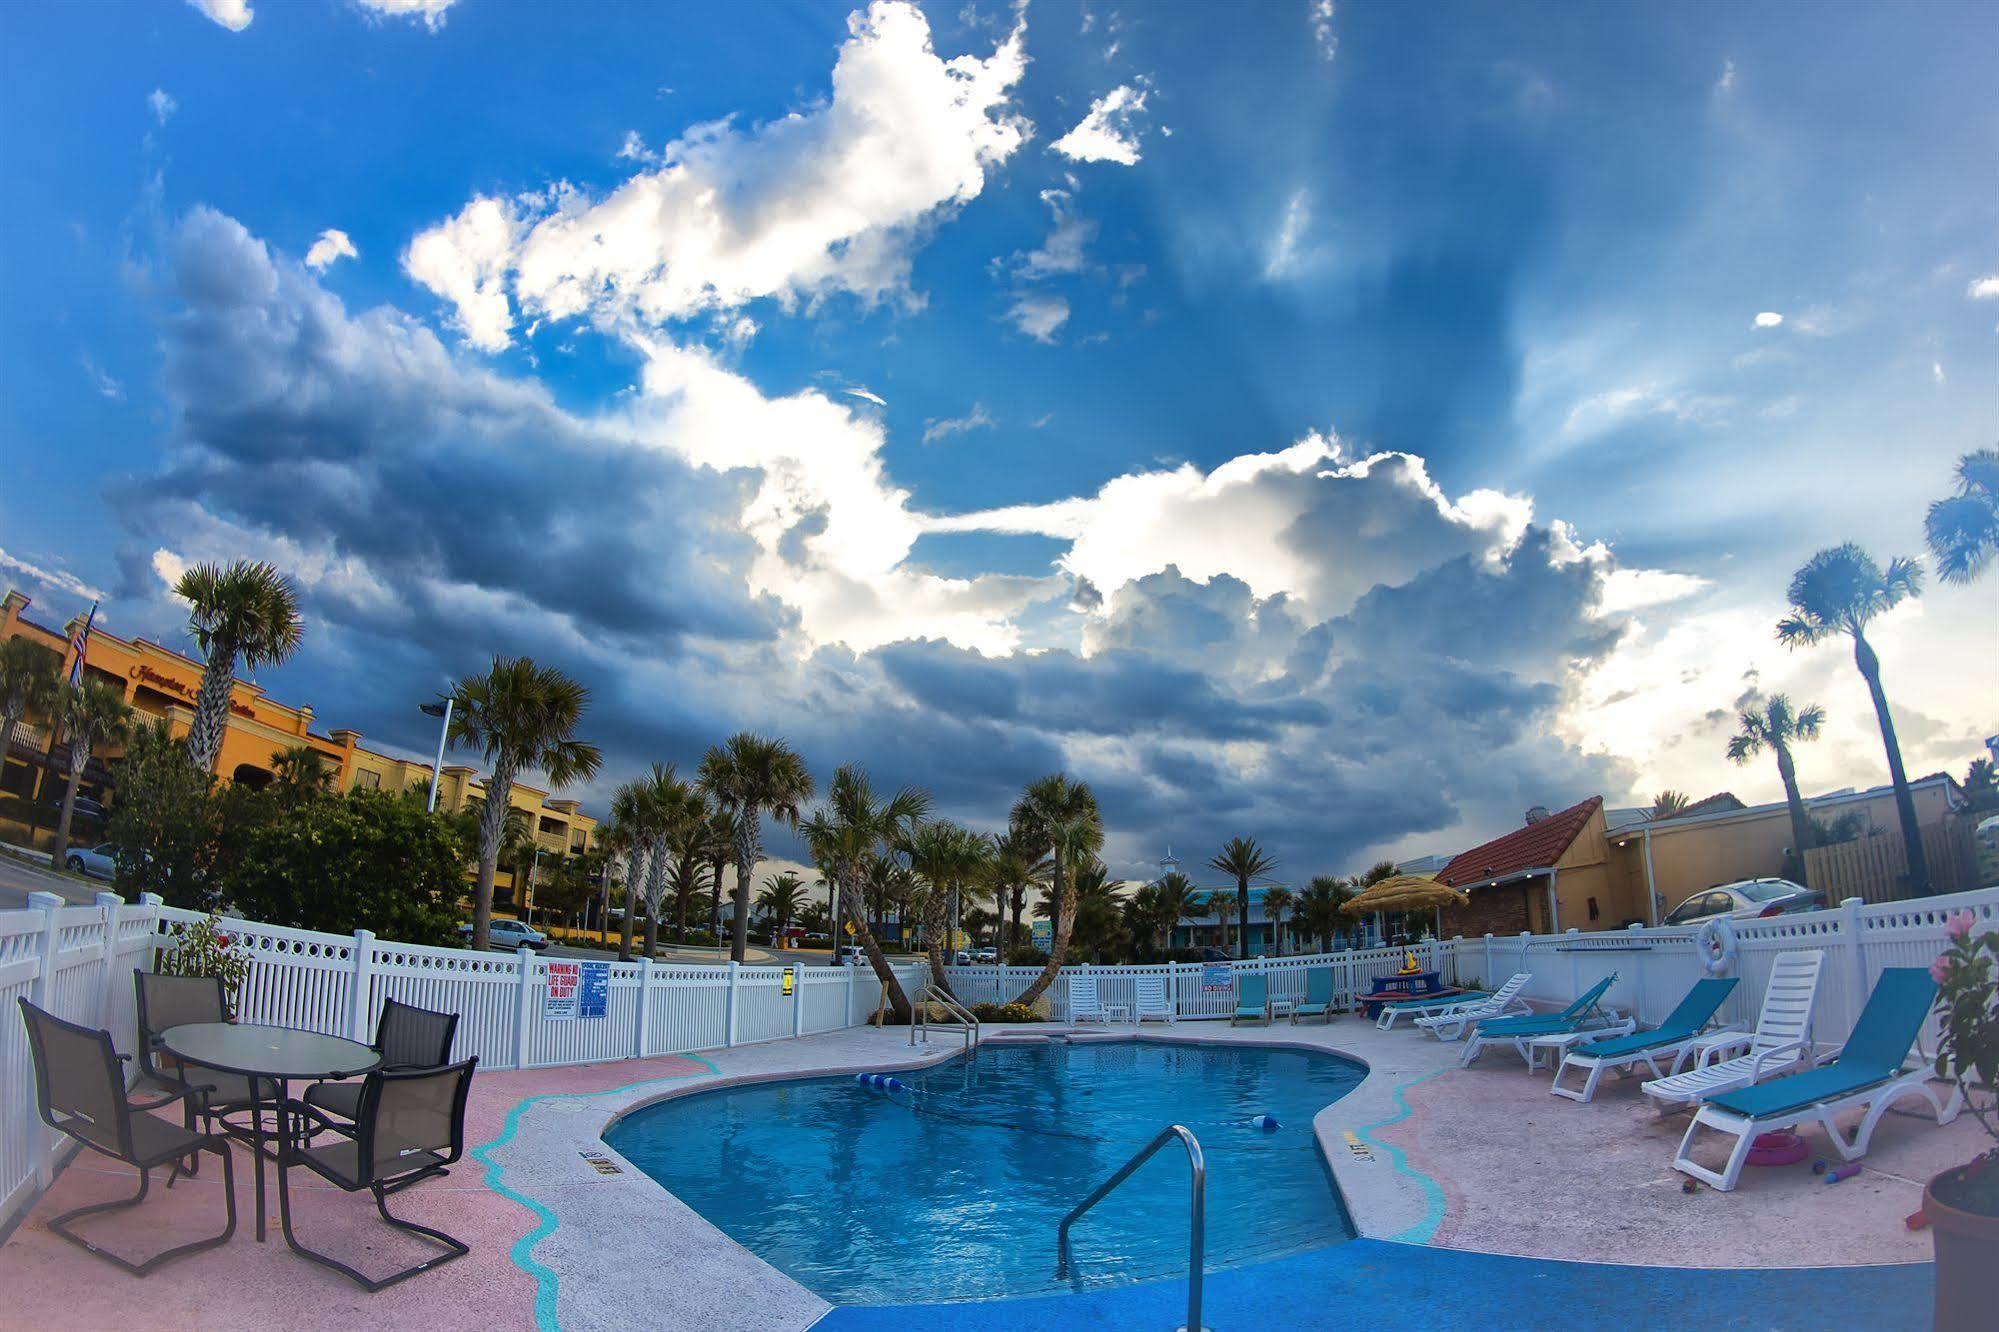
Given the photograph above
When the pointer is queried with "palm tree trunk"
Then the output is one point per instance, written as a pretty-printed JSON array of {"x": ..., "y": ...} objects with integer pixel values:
[
  {"x": 747, "y": 854},
  {"x": 1058, "y": 946},
  {"x": 891, "y": 987},
  {"x": 492, "y": 832},
  {"x": 211, "y": 716},
  {"x": 78, "y": 757},
  {"x": 631, "y": 914},
  {"x": 715, "y": 906},
  {"x": 1801, "y": 824},
  {"x": 1242, "y": 917},
  {"x": 1905, "y": 804},
  {"x": 8, "y": 724},
  {"x": 933, "y": 941}
]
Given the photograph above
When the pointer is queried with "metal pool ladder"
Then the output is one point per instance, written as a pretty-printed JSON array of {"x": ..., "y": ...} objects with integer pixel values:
[
  {"x": 1197, "y": 1213},
  {"x": 960, "y": 1017}
]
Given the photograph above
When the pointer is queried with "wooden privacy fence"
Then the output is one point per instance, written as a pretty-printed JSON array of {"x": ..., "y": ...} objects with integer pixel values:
[{"x": 1876, "y": 869}]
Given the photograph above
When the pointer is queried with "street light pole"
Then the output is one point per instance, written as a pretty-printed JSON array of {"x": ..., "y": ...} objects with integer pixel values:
[{"x": 443, "y": 737}]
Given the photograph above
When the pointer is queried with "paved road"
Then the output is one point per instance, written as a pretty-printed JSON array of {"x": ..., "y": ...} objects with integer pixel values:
[{"x": 19, "y": 878}]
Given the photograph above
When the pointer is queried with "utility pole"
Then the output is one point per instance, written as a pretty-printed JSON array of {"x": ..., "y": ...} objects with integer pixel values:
[{"x": 443, "y": 737}]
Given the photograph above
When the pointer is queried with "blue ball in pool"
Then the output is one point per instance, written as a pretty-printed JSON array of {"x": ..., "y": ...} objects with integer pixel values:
[
  {"x": 894, "y": 1084},
  {"x": 1268, "y": 1123},
  {"x": 862, "y": 1078}
]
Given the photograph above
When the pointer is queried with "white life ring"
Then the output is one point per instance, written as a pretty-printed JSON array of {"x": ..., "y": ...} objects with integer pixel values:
[{"x": 1716, "y": 941}]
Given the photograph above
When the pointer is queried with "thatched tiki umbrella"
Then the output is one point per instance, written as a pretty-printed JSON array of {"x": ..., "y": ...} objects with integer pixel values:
[{"x": 1406, "y": 892}]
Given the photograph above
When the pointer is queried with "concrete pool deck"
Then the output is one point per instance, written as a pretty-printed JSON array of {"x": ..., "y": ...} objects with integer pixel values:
[{"x": 1481, "y": 1168}]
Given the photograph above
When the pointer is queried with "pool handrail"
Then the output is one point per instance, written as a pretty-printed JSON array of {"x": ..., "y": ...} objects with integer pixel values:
[
  {"x": 919, "y": 1019},
  {"x": 1197, "y": 1167}
]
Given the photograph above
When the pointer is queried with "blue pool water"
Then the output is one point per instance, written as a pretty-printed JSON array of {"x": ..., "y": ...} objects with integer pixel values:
[{"x": 952, "y": 1191}]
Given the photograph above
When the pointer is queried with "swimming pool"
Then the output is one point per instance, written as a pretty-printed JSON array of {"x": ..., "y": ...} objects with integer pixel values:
[{"x": 952, "y": 1190}]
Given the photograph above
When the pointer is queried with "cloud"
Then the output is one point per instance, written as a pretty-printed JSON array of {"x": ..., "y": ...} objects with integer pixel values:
[
  {"x": 634, "y": 149},
  {"x": 1320, "y": 15},
  {"x": 829, "y": 199},
  {"x": 1109, "y": 133},
  {"x": 234, "y": 15},
  {"x": 1613, "y": 407},
  {"x": 1038, "y": 314},
  {"x": 331, "y": 247},
  {"x": 58, "y": 580},
  {"x": 1065, "y": 249},
  {"x": 162, "y": 104},
  {"x": 866, "y": 395},
  {"x": 1284, "y": 257},
  {"x": 1768, "y": 319},
  {"x": 976, "y": 419},
  {"x": 1726, "y": 82},
  {"x": 1984, "y": 289},
  {"x": 431, "y": 12},
  {"x": 106, "y": 386}
]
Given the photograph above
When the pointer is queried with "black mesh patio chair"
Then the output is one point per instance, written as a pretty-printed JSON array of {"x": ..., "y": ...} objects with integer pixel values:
[
  {"x": 166, "y": 1002},
  {"x": 408, "y": 1126},
  {"x": 407, "y": 1038},
  {"x": 80, "y": 1091}
]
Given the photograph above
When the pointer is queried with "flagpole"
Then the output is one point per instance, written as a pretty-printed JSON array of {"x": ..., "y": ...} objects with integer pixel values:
[{"x": 443, "y": 736}]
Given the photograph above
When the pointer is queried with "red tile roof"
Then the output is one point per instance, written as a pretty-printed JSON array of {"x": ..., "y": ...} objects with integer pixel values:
[{"x": 1536, "y": 846}]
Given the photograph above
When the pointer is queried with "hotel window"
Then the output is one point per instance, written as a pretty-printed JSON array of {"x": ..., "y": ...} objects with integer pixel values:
[{"x": 368, "y": 780}]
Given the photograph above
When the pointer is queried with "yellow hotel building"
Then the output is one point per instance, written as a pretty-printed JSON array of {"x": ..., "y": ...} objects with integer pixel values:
[{"x": 160, "y": 682}]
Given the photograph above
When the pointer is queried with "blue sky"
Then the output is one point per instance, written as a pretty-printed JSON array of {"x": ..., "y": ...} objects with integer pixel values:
[{"x": 1341, "y": 424}]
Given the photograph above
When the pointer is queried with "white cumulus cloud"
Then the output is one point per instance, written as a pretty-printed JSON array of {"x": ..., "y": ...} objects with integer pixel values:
[
  {"x": 1768, "y": 319},
  {"x": 1320, "y": 15},
  {"x": 332, "y": 246},
  {"x": 431, "y": 12},
  {"x": 234, "y": 15},
  {"x": 1039, "y": 314},
  {"x": 830, "y": 199},
  {"x": 1109, "y": 133},
  {"x": 162, "y": 104},
  {"x": 1984, "y": 289}
]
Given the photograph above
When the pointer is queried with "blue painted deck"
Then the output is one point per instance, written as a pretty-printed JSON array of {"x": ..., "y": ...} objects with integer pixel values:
[{"x": 1373, "y": 1283}]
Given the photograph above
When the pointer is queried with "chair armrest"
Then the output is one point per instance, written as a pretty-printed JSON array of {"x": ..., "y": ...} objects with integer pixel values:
[
  {"x": 1756, "y": 1065},
  {"x": 200, "y": 1089},
  {"x": 1711, "y": 1053},
  {"x": 305, "y": 1111}
]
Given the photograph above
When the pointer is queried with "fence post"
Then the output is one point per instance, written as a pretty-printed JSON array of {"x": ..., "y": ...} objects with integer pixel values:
[
  {"x": 1856, "y": 950},
  {"x": 523, "y": 1004},
  {"x": 1526, "y": 938},
  {"x": 49, "y": 904},
  {"x": 108, "y": 904},
  {"x": 644, "y": 1023},
  {"x": 729, "y": 1037},
  {"x": 1489, "y": 979},
  {"x": 1637, "y": 932},
  {"x": 850, "y": 994},
  {"x": 797, "y": 999},
  {"x": 364, "y": 972}
]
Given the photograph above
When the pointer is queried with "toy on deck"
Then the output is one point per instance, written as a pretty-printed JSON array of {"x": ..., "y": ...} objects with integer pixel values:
[{"x": 1778, "y": 1149}]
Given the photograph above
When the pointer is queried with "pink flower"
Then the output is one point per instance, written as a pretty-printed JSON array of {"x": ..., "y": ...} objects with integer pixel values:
[
  {"x": 1940, "y": 970},
  {"x": 1960, "y": 925}
]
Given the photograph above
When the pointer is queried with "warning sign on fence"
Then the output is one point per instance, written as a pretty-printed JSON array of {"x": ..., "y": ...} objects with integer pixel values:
[
  {"x": 576, "y": 990},
  {"x": 1217, "y": 976}
]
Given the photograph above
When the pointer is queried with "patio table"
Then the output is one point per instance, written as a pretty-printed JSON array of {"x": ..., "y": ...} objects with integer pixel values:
[{"x": 267, "y": 1056}]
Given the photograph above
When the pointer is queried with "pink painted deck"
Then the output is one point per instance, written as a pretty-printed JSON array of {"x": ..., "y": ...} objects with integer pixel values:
[{"x": 244, "y": 1284}]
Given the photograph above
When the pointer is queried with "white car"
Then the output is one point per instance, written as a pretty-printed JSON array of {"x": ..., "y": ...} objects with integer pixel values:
[
  {"x": 1748, "y": 899},
  {"x": 506, "y": 935},
  {"x": 99, "y": 862}
]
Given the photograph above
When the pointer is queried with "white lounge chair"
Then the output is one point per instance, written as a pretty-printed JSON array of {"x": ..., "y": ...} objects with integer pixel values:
[
  {"x": 1868, "y": 1072},
  {"x": 1675, "y": 1039},
  {"x": 1152, "y": 999},
  {"x": 1781, "y": 1043},
  {"x": 1084, "y": 1005},
  {"x": 1448, "y": 1019}
]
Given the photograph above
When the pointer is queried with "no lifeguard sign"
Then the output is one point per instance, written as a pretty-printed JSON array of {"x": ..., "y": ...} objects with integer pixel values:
[
  {"x": 576, "y": 989},
  {"x": 790, "y": 979}
]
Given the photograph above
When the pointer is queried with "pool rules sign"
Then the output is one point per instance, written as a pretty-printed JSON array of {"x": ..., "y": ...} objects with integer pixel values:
[{"x": 576, "y": 990}]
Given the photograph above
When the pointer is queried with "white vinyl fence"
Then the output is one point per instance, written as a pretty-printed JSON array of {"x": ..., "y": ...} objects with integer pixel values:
[{"x": 57, "y": 957}]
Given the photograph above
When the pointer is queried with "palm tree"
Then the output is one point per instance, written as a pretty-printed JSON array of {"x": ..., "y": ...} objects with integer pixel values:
[
  {"x": 1242, "y": 860},
  {"x": 782, "y": 897},
  {"x": 1776, "y": 727},
  {"x": 29, "y": 676},
  {"x": 848, "y": 827},
  {"x": 669, "y": 808},
  {"x": 300, "y": 773},
  {"x": 696, "y": 845},
  {"x": 720, "y": 839},
  {"x": 1057, "y": 818},
  {"x": 1963, "y": 529},
  {"x": 92, "y": 716},
  {"x": 245, "y": 611},
  {"x": 621, "y": 836},
  {"x": 946, "y": 857},
  {"x": 1176, "y": 900},
  {"x": 1216, "y": 905},
  {"x": 1277, "y": 900},
  {"x": 1839, "y": 591},
  {"x": 1014, "y": 870},
  {"x": 521, "y": 716},
  {"x": 1981, "y": 783},
  {"x": 1669, "y": 804},
  {"x": 751, "y": 776},
  {"x": 1319, "y": 907}
]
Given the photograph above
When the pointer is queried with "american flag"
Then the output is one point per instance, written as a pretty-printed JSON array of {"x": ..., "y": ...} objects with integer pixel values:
[{"x": 77, "y": 647}]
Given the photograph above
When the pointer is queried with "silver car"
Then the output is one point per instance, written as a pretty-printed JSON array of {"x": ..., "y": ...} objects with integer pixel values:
[
  {"x": 1747, "y": 899},
  {"x": 99, "y": 862}
]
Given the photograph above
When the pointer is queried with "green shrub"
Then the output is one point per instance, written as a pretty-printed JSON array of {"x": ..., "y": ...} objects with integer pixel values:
[
  {"x": 1005, "y": 1013},
  {"x": 1027, "y": 956}
]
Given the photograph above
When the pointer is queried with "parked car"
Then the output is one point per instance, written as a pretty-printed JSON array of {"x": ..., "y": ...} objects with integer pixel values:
[
  {"x": 507, "y": 934},
  {"x": 853, "y": 955},
  {"x": 1748, "y": 899},
  {"x": 986, "y": 956},
  {"x": 1212, "y": 954},
  {"x": 99, "y": 862}
]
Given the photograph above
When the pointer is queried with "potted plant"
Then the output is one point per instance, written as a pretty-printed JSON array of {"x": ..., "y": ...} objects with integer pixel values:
[
  {"x": 203, "y": 949},
  {"x": 1962, "y": 1204}
]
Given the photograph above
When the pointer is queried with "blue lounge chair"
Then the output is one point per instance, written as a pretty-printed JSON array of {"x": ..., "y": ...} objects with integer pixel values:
[
  {"x": 1674, "y": 1037},
  {"x": 1252, "y": 1000},
  {"x": 1868, "y": 1071},
  {"x": 1587, "y": 1013},
  {"x": 1318, "y": 996}
]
